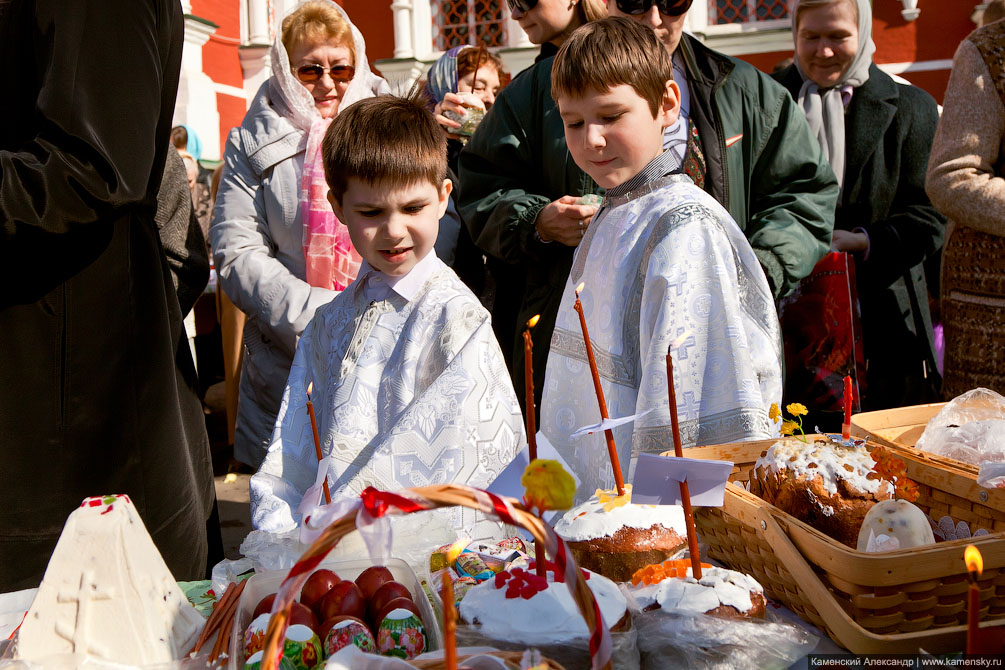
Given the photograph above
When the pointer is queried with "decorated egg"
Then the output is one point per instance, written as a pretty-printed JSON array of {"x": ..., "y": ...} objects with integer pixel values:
[
  {"x": 254, "y": 636},
  {"x": 302, "y": 648},
  {"x": 346, "y": 632},
  {"x": 401, "y": 634},
  {"x": 254, "y": 662}
]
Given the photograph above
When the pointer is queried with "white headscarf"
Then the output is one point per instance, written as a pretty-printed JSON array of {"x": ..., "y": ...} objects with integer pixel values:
[
  {"x": 285, "y": 89},
  {"x": 824, "y": 109}
]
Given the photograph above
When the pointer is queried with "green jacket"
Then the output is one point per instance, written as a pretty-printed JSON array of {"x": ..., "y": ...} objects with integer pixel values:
[{"x": 774, "y": 180}]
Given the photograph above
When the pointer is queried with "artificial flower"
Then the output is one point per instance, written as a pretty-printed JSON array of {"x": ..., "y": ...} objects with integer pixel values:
[
  {"x": 774, "y": 413},
  {"x": 789, "y": 427},
  {"x": 796, "y": 409}
]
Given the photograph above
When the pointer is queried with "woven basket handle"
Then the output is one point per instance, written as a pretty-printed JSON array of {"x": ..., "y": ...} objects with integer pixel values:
[
  {"x": 830, "y": 611},
  {"x": 376, "y": 503}
]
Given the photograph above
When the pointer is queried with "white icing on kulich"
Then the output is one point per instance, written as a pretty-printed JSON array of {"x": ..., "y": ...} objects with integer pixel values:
[
  {"x": 598, "y": 517},
  {"x": 897, "y": 519},
  {"x": 107, "y": 593},
  {"x": 828, "y": 459},
  {"x": 548, "y": 616},
  {"x": 718, "y": 586}
]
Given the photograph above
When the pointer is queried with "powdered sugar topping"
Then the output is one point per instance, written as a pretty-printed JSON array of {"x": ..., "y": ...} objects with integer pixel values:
[
  {"x": 830, "y": 460},
  {"x": 594, "y": 519}
]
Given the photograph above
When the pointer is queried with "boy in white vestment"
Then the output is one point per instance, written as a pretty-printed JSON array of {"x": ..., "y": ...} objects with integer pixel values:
[
  {"x": 409, "y": 384},
  {"x": 661, "y": 259}
]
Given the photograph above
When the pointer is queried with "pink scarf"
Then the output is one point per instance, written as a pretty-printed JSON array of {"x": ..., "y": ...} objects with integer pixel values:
[{"x": 332, "y": 263}]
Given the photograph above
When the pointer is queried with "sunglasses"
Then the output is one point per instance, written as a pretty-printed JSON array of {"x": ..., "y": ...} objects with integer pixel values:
[
  {"x": 523, "y": 5},
  {"x": 666, "y": 7},
  {"x": 312, "y": 73}
]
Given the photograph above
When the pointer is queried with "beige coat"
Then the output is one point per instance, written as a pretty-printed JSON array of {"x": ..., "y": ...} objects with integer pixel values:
[{"x": 966, "y": 169}]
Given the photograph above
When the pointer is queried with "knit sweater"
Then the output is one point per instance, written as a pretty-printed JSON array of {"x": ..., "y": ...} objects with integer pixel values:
[{"x": 966, "y": 169}]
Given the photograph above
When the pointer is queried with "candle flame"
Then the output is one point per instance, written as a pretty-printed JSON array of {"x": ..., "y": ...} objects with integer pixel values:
[
  {"x": 456, "y": 548},
  {"x": 680, "y": 339},
  {"x": 532, "y": 321},
  {"x": 972, "y": 557},
  {"x": 310, "y": 387},
  {"x": 579, "y": 289}
]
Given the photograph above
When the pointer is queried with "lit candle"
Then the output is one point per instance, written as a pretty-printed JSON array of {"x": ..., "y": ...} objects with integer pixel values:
[
  {"x": 317, "y": 440},
  {"x": 685, "y": 494},
  {"x": 528, "y": 374},
  {"x": 975, "y": 566},
  {"x": 449, "y": 611},
  {"x": 848, "y": 397},
  {"x": 612, "y": 449}
]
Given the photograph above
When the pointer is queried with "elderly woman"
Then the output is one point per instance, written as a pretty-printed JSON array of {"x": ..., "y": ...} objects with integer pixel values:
[
  {"x": 876, "y": 134},
  {"x": 966, "y": 181},
  {"x": 279, "y": 250}
]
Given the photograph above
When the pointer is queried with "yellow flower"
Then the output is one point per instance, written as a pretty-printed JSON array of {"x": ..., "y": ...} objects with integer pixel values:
[
  {"x": 796, "y": 409},
  {"x": 789, "y": 427},
  {"x": 548, "y": 485},
  {"x": 774, "y": 413}
]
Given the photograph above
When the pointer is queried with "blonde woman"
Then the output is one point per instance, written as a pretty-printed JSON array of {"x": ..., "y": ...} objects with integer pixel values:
[{"x": 275, "y": 238}]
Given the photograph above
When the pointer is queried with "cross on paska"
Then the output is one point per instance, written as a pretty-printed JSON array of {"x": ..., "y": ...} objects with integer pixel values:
[{"x": 86, "y": 593}]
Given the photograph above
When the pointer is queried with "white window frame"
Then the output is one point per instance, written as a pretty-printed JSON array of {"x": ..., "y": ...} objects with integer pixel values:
[{"x": 738, "y": 38}]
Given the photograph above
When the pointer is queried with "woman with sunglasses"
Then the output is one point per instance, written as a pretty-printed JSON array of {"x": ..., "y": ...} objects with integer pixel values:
[
  {"x": 279, "y": 251},
  {"x": 741, "y": 138},
  {"x": 877, "y": 135}
]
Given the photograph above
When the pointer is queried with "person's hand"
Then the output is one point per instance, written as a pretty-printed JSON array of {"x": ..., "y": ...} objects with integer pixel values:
[
  {"x": 455, "y": 103},
  {"x": 564, "y": 221},
  {"x": 853, "y": 243}
]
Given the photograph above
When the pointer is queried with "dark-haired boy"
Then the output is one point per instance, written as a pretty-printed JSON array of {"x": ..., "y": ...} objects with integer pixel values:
[
  {"x": 662, "y": 261},
  {"x": 409, "y": 385}
]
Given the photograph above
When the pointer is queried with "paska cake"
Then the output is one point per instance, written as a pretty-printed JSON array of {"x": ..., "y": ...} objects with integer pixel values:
[
  {"x": 610, "y": 535},
  {"x": 720, "y": 592},
  {"x": 107, "y": 593},
  {"x": 519, "y": 606},
  {"x": 829, "y": 485}
]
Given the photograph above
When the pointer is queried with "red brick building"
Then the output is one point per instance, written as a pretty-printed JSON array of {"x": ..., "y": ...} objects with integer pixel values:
[{"x": 227, "y": 43}]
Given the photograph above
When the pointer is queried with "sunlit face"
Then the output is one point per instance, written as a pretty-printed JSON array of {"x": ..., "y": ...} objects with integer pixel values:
[
  {"x": 327, "y": 93},
  {"x": 667, "y": 28},
  {"x": 485, "y": 86},
  {"x": 393, "y": 228},
  {"x": 613, "y": 135},
  {"x": 548, "y": 21},
  {"x": 826, "y": 42}
]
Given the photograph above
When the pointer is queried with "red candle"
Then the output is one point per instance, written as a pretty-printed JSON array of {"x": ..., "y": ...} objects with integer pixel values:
[
  {"x": 685, "y": 494},
  {"x": 317, "y": 440},
  {"x": 528, "y": 374},
  {"x": 612, "y": 449},
  {"x": 848, "y": 397},
  {"x": 975, "y": 566}
]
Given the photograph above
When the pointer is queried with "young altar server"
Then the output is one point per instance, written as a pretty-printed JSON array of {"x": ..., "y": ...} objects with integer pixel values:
[
  {"x": 660, "y": 259},
  {"x": 409, "y": 384}
]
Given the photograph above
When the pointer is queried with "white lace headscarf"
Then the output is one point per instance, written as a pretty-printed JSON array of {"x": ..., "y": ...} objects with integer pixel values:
[
  {"x": 295, "y": 102},
  {"x": 824, "y": 109}
]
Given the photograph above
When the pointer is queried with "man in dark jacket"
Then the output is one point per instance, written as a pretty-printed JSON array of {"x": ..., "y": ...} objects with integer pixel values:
[
  {"x": 97, "y": 394},
  {"x": 744, "y": 141}
]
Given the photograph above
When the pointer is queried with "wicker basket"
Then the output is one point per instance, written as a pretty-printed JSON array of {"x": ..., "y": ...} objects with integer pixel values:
[
  {"x": 898, "y": 427},
  {"x": 897, "y": 602},
  {"x": 507, "y": 510}
]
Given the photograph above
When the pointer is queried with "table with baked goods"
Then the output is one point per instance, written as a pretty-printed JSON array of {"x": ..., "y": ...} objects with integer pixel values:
[{"x": 823, "y": 544}]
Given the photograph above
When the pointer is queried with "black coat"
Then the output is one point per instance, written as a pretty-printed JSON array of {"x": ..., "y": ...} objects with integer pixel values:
[
  {"x": 97, "y": 392},
  {"x": 889, "y": 129}
]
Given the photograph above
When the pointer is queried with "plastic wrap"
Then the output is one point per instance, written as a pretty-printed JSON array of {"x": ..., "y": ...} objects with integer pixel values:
[
  {"x": 351, "y": 658},
  {"x": 991, "y": 475},
  {"x": 412, "y": 536},
  {"x": 571, "y": 653},
  {"x": 670, "y": 640},
  {"x": 970, "y": 428}
]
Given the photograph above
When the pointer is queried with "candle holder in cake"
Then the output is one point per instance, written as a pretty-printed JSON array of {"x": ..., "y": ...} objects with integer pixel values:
[{"x": 612, "y": 449}]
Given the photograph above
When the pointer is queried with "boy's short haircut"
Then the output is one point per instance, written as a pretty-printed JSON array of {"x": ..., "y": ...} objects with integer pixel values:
[
  {"x": 388, "y": 140},
  {"x": 610, "y": 52}
]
